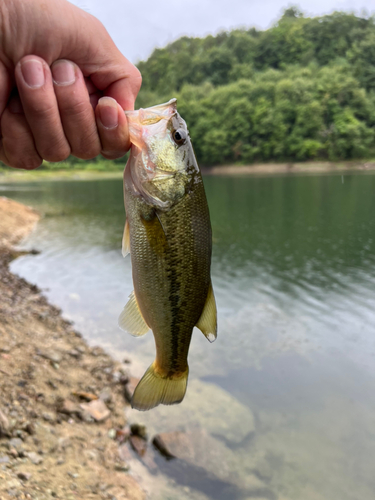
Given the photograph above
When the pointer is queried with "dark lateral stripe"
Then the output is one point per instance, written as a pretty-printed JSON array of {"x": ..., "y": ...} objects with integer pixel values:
[{"x": 174, "y": 297}]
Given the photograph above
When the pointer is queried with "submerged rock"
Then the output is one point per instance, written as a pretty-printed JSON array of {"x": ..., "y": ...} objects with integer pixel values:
[
  {"x": 205, "y": 406},
  {"x": 202, "y": 458},
  {"x": 138, "y": 444},
  {"x": 201, "y": 451}
]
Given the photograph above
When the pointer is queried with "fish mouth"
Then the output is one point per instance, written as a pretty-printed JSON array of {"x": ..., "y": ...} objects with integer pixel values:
[
  {"x": 149, "y": 121},
  {"x": 152, "y": 115}
]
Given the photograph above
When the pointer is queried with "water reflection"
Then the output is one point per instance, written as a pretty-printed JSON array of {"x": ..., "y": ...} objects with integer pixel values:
[{"x": 294, "y": 276}]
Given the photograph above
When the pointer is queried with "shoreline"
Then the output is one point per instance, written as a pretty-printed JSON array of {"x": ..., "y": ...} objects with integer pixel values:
[
  {"x": 292, "y": 168},
  {"x": 63, "y": 431},
  {"x": 257, "y": 169}
]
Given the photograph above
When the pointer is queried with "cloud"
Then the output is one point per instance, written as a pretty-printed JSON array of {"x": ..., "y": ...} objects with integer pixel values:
[{"x": 138, "y": 27}]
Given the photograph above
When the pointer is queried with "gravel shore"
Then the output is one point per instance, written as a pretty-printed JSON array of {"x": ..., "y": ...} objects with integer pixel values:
[{"x": 62, "y": 427}]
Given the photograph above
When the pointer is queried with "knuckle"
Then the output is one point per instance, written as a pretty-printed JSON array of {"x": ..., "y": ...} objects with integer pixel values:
[
  {"x": 41, "y": 109},
  {"x": 87, "y": 146},
  {"x": 77, "y": 109},
  {"x": 112, "y": 155},
  {"x": 136, "y": 77},
  {"x": 86, "y": 154},
  {"x": 29, "y": 163},
  {"x": 54, "y": 153}
]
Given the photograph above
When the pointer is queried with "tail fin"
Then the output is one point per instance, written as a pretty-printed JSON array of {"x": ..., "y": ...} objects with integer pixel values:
[{"x": 153, "y": 389}]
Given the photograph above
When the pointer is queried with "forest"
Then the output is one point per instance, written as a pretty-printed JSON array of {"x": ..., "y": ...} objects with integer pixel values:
[{"x": 302, "y": 90}]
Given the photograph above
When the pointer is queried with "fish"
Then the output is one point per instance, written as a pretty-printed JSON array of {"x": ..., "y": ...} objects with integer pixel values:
[{"x": 169, "y": 238}]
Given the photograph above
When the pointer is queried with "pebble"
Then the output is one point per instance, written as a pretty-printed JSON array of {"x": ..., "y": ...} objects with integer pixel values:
[
  {"x": 15, "y": 443},
  {"x": 68, "y": 407},
  {"x": 48, "y": 417},
  {"x": 4, "y": 424},
  {"x": 73, "y": 475},
  {"x": 96, "y": 409},
  {"x": 4, "y": 459},
  {"x": 54, "y": 357},
  {"x": 29, "y": 427},
  {"x": 24, "y": 476},
  {"x": 124, "y": 467},
  {"x": 34, "y": 458},
  {"x": 112, "y": 433},
  {"x": 74, "y": 353}
]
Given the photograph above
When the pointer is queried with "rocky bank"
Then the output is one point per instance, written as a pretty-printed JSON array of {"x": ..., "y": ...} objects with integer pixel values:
[{"x": 61, "y": 402}]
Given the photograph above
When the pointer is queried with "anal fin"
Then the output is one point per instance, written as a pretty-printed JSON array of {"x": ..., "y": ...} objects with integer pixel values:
[
  {"x": 131, "y": 319},
  {"x": 126, "y": 240},
  {"x": 207, "y": 323}
]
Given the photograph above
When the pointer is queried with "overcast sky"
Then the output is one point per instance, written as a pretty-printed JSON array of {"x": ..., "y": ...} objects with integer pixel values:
[{"x": 137, "y": 27}]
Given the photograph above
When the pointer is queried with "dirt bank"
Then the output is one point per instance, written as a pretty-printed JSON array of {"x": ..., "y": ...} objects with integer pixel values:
[{"x": 61, "y": 402}]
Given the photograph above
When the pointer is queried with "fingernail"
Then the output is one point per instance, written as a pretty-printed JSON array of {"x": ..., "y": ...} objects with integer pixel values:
[
  {"x": 108, "y": 112},
  {"x": 63, "y": 72},
  {"x": 33, "y": 73}
]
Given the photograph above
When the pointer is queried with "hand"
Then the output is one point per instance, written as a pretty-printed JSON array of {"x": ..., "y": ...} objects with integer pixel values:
[{"x": 56, "y": 63}]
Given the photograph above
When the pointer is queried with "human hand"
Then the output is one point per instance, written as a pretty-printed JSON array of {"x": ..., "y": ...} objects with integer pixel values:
[{"x": 56, "y": 63}]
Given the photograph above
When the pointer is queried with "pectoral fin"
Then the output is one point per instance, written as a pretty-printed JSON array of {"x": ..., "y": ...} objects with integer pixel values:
[
  {"x": 131, "y": 319},
  {"x": 207, "y": 323},
  {"x": 126, "y": 240}
]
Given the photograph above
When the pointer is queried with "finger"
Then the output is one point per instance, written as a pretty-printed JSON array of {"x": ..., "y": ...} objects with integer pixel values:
[
  {"x": 113, "y": 128},
  {"x": 94, "y": 93},
  {"x": 76, "y": 113},
  {"x": 5, "y": 87},
  {"x": 35, "y": 87},
  {"x": 17, "y": 148}
]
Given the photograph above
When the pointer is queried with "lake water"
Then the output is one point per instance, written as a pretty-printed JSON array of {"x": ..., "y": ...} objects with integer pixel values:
[{"x": 282, "y": 405}]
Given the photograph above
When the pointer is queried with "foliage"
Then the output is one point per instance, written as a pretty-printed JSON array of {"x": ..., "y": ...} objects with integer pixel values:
[
  {"x": 98, "y": 164},
  {"x": 303, "y": 89}
]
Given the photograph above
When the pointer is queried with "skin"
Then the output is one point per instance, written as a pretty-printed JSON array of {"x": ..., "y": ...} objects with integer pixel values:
[{"x": 63, "y": 85}]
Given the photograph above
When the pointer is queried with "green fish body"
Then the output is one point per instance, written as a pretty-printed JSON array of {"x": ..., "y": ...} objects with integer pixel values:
[{"x": 168, "y": 235}]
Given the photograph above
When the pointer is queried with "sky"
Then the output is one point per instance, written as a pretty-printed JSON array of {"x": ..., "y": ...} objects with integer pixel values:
[{"x": 137, "y": 27}]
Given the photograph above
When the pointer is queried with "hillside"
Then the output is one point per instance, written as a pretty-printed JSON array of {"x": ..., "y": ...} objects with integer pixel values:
[{"x": 302, "y": 90}]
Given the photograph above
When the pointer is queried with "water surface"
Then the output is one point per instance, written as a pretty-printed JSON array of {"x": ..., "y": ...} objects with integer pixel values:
[{"x": 285, "y": 397}]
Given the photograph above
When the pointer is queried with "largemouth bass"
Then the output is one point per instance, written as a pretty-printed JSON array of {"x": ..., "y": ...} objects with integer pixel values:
[{"x": 168, "y": 235}]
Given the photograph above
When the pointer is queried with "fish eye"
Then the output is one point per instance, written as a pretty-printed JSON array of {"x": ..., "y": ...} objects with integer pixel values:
[{"x": 179, "y": 136}]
